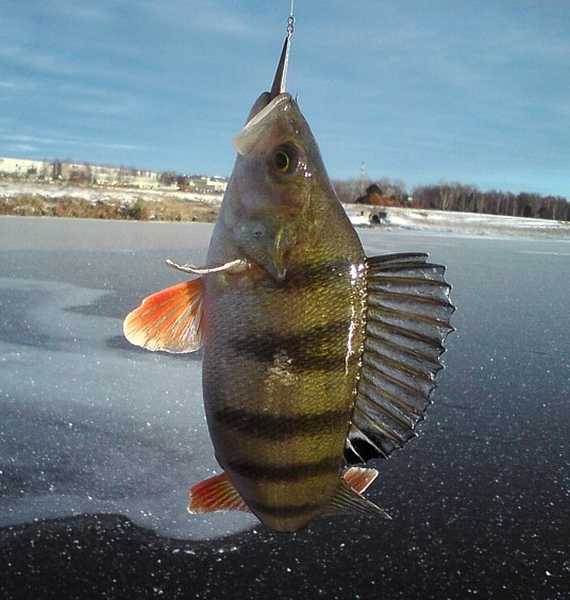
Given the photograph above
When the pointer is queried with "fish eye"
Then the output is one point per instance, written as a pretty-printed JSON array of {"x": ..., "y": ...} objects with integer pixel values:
[{"x": 284, "y": 159}]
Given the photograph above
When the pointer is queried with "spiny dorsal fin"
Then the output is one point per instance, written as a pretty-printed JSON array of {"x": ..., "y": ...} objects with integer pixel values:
[
  {"x": 169, "y": 320},
  {"x": 214, "y": 494},
  {"x": 407, "y": 322}
]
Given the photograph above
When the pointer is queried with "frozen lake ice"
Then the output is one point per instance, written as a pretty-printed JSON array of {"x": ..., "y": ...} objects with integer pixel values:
[{"x": 91, "y": 425}]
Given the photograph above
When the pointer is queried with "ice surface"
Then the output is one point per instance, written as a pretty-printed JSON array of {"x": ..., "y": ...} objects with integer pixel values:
[{"x": 93, "y": 425}]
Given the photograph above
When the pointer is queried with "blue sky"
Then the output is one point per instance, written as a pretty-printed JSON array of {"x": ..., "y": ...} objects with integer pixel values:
[{"x": 424, "y": 91}]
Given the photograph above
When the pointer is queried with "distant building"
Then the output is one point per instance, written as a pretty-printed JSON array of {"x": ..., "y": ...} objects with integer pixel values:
[
  {"x": 218, "y": 184},
  {"x": 90, "y": 174},
  {"x": 76, "y": 172},
  {"x": 23, "y": 167},
  {"x": 204, "y": 184}
]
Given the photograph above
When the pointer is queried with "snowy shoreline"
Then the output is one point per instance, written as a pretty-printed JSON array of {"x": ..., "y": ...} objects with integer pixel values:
[
  {"x": 94, "y": 194},
  {"x": 359, "y": 215},
  {"x": 455, "y": 222}
]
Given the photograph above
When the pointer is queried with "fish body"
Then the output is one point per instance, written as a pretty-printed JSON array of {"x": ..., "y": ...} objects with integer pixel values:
[
  {"x": 282, "y": 351},
  {"x": 316, "y": 357}
]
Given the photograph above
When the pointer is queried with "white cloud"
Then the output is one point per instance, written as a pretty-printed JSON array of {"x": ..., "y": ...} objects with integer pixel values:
[
  {"x": 90, "y": 11},
  {"x": 204, "y": 16},
  {"x": 22, "y": 148},
  {"x": 43, "y": 62},
  {"x": 107, "y": 108},
  {"x": 89, "y": 91},
  {"x": 58, "y": 141},
  {"x": 527, "y": 41},
  {"x": 16, "y": 86}
]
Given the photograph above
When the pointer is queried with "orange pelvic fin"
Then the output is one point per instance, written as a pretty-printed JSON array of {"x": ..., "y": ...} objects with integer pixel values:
[
  {"x": 169, "y": 320},
  {"x": 359, "y": 478},
  {"x": 216, "y": 493}
]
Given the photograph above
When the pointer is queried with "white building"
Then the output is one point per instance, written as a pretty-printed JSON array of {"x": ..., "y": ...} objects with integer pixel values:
[
  {"x": 203, "y": 184},
  {"x": 217, "y": 184},
  {"x": 89, "y": 174},
  {"x": 23, "y": 167}
]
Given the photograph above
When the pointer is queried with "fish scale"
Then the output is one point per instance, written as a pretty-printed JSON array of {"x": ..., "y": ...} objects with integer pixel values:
[{"x": 284, "y": 351}]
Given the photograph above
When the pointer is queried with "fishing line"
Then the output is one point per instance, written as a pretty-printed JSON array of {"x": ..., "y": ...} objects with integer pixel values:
[{"x": 291, "y": 21}]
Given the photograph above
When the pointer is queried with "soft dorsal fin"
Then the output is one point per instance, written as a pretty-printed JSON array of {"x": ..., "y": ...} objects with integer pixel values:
[
  {"x": 169, "y": 320},
  {"x": 214, "y": 494},
  {"x": 407, "y": 322}
]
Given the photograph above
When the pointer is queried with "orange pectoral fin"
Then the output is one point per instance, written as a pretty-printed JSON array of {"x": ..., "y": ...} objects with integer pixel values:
[
  {"x": 169, "y": 320},
  {"x": 216, "y": 493}
]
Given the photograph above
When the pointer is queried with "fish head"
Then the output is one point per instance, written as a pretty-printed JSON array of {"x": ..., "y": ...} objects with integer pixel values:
[{"x": 278, "y": 187}]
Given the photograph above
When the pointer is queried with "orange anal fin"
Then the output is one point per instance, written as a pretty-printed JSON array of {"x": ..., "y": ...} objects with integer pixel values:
[
  {"x": 359, "y": 478},
  {"x": 216, "y": 493},
  {"x": 169, "y": 320}
]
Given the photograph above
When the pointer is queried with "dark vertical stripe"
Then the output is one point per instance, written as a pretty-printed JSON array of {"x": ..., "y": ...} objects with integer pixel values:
[
  {"x": 286, "y": 510},
  {"x": 306, "y": 351},
  {"x": 276, "y": 427},
  {"x": 285, "y": 472}
]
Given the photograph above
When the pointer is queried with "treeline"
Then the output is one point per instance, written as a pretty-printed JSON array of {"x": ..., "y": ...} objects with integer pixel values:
[
  {"x": 455, "y": 197},
  {"x": 466, "y": 198}
]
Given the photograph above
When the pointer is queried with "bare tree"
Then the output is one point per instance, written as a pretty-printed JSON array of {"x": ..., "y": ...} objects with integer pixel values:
[{"x": 458, "y": 197}]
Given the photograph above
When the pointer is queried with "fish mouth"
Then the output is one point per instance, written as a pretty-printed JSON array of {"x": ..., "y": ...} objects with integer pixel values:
[
  {"x": 279, "y": 274},
  {"x": 276, "y": 266},
  {"x": 280, "y": 254}
]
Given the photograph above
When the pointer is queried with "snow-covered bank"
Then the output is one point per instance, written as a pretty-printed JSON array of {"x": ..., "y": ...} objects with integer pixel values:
[
  {"x": 101, "y": 194},
  {"x": 359, "y": 214},
  {"x": 456, "y": 222}
]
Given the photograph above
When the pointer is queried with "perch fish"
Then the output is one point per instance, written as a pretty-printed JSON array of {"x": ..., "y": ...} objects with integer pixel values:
[{"x": 317, "y": 358}]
